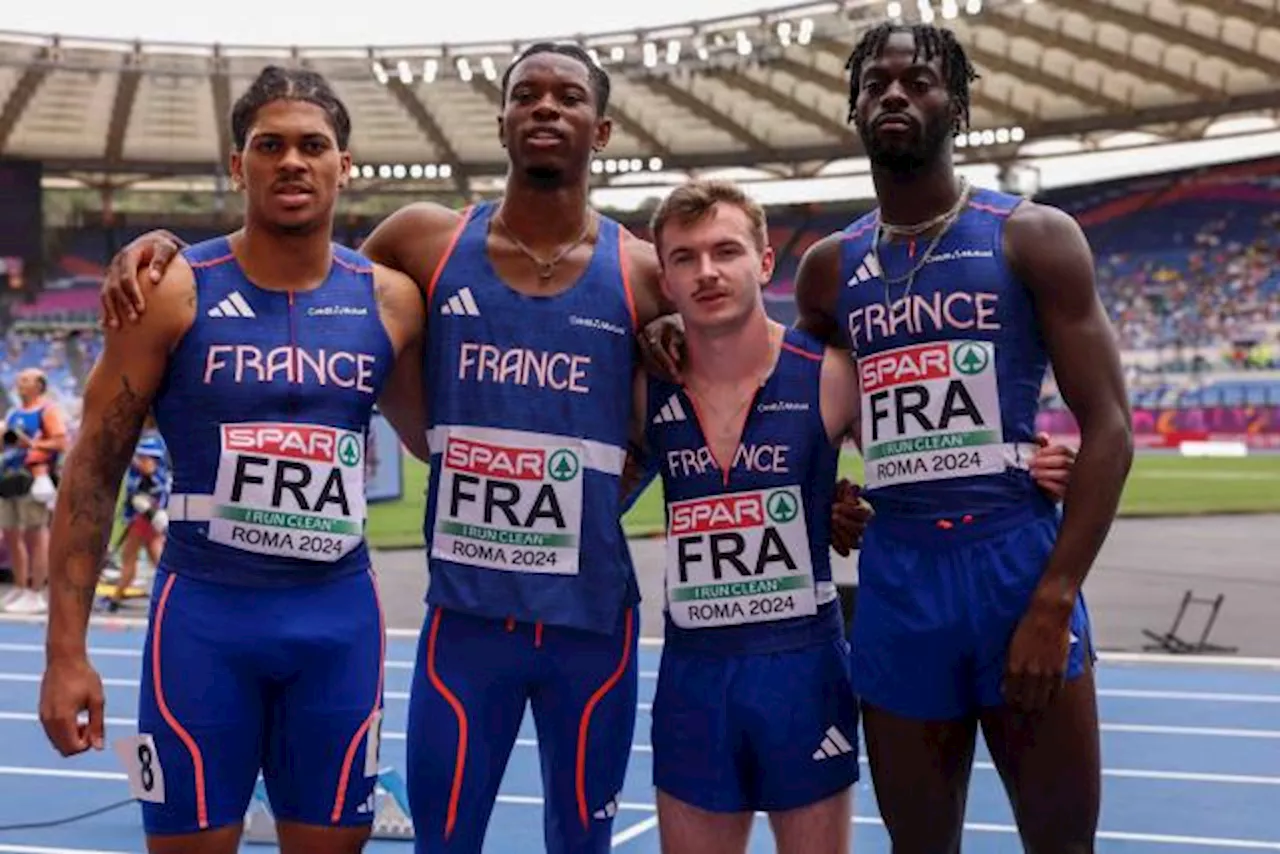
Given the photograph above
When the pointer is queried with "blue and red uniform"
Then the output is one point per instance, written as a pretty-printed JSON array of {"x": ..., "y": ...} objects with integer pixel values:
[
  {"x": 265, "y": 645},
  {"x": 754, "y": 709},
  {"x": 950, "y": 369},
  {"x": 532, "y": 594}
]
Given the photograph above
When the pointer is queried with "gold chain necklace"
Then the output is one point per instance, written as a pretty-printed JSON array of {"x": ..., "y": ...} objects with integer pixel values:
[
  {"x": 545, "y": 268},
  {"x": 894, "y": 230}
]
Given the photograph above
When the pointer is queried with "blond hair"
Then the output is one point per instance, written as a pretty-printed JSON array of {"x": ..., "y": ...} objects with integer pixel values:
[{"x": 695, "y": 200}]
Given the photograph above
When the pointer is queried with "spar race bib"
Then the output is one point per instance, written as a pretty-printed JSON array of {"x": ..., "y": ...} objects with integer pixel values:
[
  {"x": 509, "y": 500},
  {"x": 931, "y": 412},
  {"x": 289, "y": 490},
  {"x": 739, "y": 558}
]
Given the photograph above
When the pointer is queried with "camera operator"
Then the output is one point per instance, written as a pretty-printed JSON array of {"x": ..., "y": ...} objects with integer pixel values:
[
  {"x": 35, "y": 436},
  {"x": 147, "y": 487}
]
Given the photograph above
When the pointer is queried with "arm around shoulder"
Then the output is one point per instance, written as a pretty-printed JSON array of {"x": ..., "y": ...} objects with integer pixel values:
[
  {"x": 644, "y": 274},
  {"x": 818, "y": 291},
  {"x": 414, "y": 240},
  {"x": 403, "y": 398},
  {"x": 839, "y": 396},
  {"x": 400, "y": 305}
]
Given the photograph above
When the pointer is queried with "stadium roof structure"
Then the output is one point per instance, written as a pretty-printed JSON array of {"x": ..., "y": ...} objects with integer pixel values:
[{"x": 766, "y": 90}]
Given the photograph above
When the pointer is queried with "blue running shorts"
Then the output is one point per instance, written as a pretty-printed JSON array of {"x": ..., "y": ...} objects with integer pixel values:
[
  {"x": 471, "y": 683},
  {"x": 237, "y": 680},
  {"x": 769, "y": 731},
  {"x": 938, "y": 606}
]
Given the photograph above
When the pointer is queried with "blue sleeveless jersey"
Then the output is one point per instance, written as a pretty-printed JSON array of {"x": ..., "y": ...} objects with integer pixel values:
[
  {"x": 529, "y": 408},
  {"x": 950, "y": 370},
  {"x": 748, "y": 567},
  {"x": 265, "y": 409}
]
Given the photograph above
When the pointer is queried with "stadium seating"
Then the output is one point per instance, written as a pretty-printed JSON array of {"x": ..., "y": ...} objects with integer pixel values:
[{"x": 1186, "y": 260}]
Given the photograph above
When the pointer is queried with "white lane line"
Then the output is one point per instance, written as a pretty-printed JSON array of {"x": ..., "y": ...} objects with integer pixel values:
[
  {"x": 1125, "y": 693},
  {"x": 1242, "y": 661},
  {"x": 638, "y": 829},
  {"x": 625, "y": 806},
  {"x": 1119, "y": 773}
]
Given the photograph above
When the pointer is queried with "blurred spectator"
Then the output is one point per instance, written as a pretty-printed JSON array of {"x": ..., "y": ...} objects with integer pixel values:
[{"x": 35, "y": 437}]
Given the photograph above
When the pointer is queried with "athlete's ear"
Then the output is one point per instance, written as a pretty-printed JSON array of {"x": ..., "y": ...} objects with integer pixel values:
[
  {"x": 767, "y": 262},
  {"x": 604, "y": 131},
  {"x": 502, "y": 131},
  {"x": 344, "y": 177},
  {"x": 237, "y": 171}
]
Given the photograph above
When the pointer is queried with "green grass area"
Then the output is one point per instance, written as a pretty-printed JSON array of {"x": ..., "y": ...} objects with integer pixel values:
[{"x": 1158, "y": 485}]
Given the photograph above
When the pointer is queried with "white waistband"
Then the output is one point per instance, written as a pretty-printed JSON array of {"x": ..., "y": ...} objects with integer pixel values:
[
  {"x": 1018, "y": 454},
  {"x": 190, "y": 507},
  {"x": 600, "y": 456}
]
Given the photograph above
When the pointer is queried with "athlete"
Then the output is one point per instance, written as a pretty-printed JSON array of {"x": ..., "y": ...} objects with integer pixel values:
[
  {"x": 147, "y": 486},
  {"x": 262, "y": 355},
  {"x": 954, "y": 301},
  {"x": 533, "y": 303},
  {"x": 754, "y": 710}
]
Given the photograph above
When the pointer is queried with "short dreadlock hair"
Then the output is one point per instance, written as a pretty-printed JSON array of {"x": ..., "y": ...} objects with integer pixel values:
[
  {"x": 931, "y": 42},
  {"x": 599, "y": 78}
]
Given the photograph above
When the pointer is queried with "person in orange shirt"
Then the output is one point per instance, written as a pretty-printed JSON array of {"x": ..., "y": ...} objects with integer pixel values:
[{"x": 35, "y": 435}]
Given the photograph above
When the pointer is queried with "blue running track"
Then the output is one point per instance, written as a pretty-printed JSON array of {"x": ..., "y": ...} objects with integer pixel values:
[{"x": 1191, "y": 753}]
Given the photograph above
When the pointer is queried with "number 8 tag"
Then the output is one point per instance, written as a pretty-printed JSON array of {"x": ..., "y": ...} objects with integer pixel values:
[{"x": 142, "y": 764}]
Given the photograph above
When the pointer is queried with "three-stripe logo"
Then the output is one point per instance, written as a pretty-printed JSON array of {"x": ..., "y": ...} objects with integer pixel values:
[
  {"x": 462, "y": 303},
  {"x": 868, "y": 269},
  {"x": 234, "y": 305},
  {"x": 833, "y": 744},
  {"x": 671, "y": 411}
]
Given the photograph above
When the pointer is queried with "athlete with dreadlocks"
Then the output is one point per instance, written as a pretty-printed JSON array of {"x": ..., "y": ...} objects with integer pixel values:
[{"x": 954, "y": 301}]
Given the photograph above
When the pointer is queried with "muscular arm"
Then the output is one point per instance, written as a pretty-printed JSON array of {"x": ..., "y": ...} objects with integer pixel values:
[
  {"x": 403, "y": 399},
  {"x": 818, "y": 292},
  {"x": 117, "y": 397},
  {"x": 646, "y": 282},
  {"x": 635, "y": 474},
  {"x": 839, "y": 396},
  {"x": 413, "y": 240},
  {"x": 1049, "y": 252}
]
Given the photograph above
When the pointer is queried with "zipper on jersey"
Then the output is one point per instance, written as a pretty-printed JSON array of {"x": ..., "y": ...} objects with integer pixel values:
[{"x": 295, "y": 363}]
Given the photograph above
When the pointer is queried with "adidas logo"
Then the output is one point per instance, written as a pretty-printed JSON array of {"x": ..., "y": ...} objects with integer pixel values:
[
  {"x": 671, "y": 411},
  {"x": 833, "y": 745},
  {"x": 233, "y": 306},
  {"x": 868, "y": 269},
  {"x": 461, "y": 303},
  {"x": 608, "y": 811}
]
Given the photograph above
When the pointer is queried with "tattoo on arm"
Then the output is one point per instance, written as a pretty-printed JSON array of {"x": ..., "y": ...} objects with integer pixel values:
[{"x": 92, "y": 484}]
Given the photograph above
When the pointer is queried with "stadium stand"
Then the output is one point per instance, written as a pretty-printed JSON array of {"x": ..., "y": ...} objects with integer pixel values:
[
  {"x": 1185, "y": 260},
  {"x": 1188, "y": 266}
]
